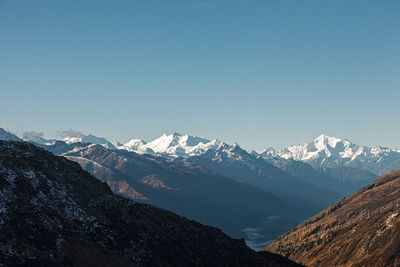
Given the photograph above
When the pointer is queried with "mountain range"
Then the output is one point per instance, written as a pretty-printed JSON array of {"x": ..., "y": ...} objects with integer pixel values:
[
  {"x": 235, "y": 162},
  {"x": 269, "y": 192},
  {"x": 314, "y": 162},
  {"x": 53, "y": 213},
  {"x": 185, "y": 188},
  {"x": 173, "y": 145},
  {"x": 323, "y": 152},
  {"x": 258, "y": 196},
  {"x": 331, "y": 152}
]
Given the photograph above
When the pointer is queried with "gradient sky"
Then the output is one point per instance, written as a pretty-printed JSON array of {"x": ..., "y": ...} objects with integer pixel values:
[{"x": 256, "y": 72}]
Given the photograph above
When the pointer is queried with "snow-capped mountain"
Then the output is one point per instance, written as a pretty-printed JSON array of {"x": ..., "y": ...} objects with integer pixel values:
[
  {"x": 331, "y": 152},
  {"x": 173, "y": 145},
  {"x": 134, "y": 144},
  {"x": 53, "y": 213},
  {"x": 91, "y": 139},
  {"x": 187, "y": 188},
  {"x": 233, "y": 161},
  {"x": 324, "y": 152},
  {"x": 72, "y": 139},
  {"x": 225, "y": 153}
]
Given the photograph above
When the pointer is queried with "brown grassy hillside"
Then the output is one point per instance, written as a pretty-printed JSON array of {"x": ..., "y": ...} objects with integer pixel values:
[{"x": 360, "y": 230}]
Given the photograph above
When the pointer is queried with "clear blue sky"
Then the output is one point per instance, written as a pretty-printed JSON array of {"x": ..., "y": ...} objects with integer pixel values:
[{"x": 257, "y": 72}]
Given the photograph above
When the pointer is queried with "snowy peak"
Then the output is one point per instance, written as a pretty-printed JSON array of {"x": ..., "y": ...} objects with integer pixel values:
[
  {"x": 230, "y": 153},
  {"x": 177, "y": 145},
  {"x": 322, "y": 147},
  {"x": 165, "y": 142},
  {"x": 328, "y": 151},
  {"x": 134, "y": 144},
  {"x": 91, "y": 139},
  {"x": 72, "y": 139},
  {"x": 168, "y": 145},
  {"x": 323, "y": 141},
  {"x": 265, "y": 153},
  {"x": 231, "y": 149}
]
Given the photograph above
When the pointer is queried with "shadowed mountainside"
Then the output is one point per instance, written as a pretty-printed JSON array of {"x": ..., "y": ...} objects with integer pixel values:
[
  {"x": 344, "y": 180},
  {"x": 53, "y": 213},
  {"x": 188, "y": 189},
  {"x": 237, "y": 163}
]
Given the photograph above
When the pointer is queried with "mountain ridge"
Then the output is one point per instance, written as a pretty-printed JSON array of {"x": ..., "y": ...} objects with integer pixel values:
[
  {"x": 344, "y": 180},
  {"x": 53, "y": 213},
  {"x": 331, "y": 152},
  {"x": 185, "y": 188},
  {"x": 359, "y": 230},
  {"x": 233, "y": 161},
  {"x": 323, "y": 152}
]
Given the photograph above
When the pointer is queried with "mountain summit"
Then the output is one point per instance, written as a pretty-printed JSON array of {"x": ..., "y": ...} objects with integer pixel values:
[
  {"x": 323, "y": 152},
  {"x": 331, "y": 152},
  {"x": 177, "y": 145}
]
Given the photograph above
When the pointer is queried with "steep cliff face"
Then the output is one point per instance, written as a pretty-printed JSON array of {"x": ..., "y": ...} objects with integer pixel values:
[
  {"x": 53, "y": 213},
  {"x": 360, "y": 230}
]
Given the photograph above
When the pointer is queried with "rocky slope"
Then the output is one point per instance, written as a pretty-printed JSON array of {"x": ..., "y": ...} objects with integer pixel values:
[
  {"x": 360, "y": 230},
  {"x": 53, "y": 213},
  {"x": 323, "y": 152}
]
